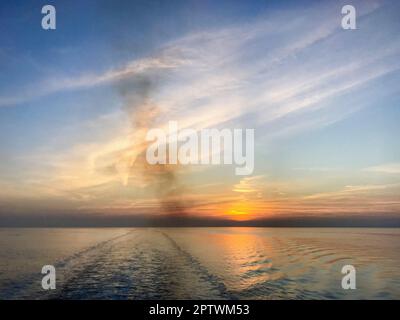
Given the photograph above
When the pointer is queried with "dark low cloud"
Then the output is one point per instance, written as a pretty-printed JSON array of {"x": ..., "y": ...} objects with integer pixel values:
[{"x": 145, "y": 220}]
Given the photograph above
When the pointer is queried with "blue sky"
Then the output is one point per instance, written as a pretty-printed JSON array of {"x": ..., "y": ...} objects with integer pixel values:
[{"x": 324, "y": 103}]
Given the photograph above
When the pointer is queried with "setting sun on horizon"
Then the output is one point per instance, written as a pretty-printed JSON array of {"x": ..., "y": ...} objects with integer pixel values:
[
  {"x": 199, "y": 154},
  {"x": 322, "y": 103}
]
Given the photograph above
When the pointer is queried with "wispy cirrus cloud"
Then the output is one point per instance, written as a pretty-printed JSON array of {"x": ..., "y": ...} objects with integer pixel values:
[
  {"x": 283, "y": 74},
  {"x": 88, "y": 80},
  {"x": 387, "y": 168}
]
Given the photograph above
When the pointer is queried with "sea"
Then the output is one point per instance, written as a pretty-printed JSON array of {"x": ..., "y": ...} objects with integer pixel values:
[{"x": 200, "y": 263}]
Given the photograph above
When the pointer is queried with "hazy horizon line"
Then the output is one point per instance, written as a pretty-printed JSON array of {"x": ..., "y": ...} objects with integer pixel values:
[{"x": 66, "y": 221}]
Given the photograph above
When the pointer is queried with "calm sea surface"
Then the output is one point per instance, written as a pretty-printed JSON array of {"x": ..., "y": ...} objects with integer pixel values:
[{"x": 200, "y": 263}]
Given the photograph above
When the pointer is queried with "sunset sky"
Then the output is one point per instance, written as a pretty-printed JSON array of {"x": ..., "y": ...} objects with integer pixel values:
[{"x": 76, "y": 102}]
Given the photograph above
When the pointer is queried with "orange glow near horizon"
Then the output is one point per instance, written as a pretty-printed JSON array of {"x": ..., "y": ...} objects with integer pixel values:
[{"x": 240, "y": 211}]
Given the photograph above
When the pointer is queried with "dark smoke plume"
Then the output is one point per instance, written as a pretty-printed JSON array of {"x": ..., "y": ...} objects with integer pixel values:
[{"x": 143, "y": 114}]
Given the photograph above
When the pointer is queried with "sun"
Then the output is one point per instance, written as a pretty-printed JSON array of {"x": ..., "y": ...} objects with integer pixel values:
[{"x": 239, "y": 211}]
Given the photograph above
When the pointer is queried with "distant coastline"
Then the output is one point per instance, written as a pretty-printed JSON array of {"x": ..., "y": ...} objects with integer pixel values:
[{"x": 74, "y": 221}]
